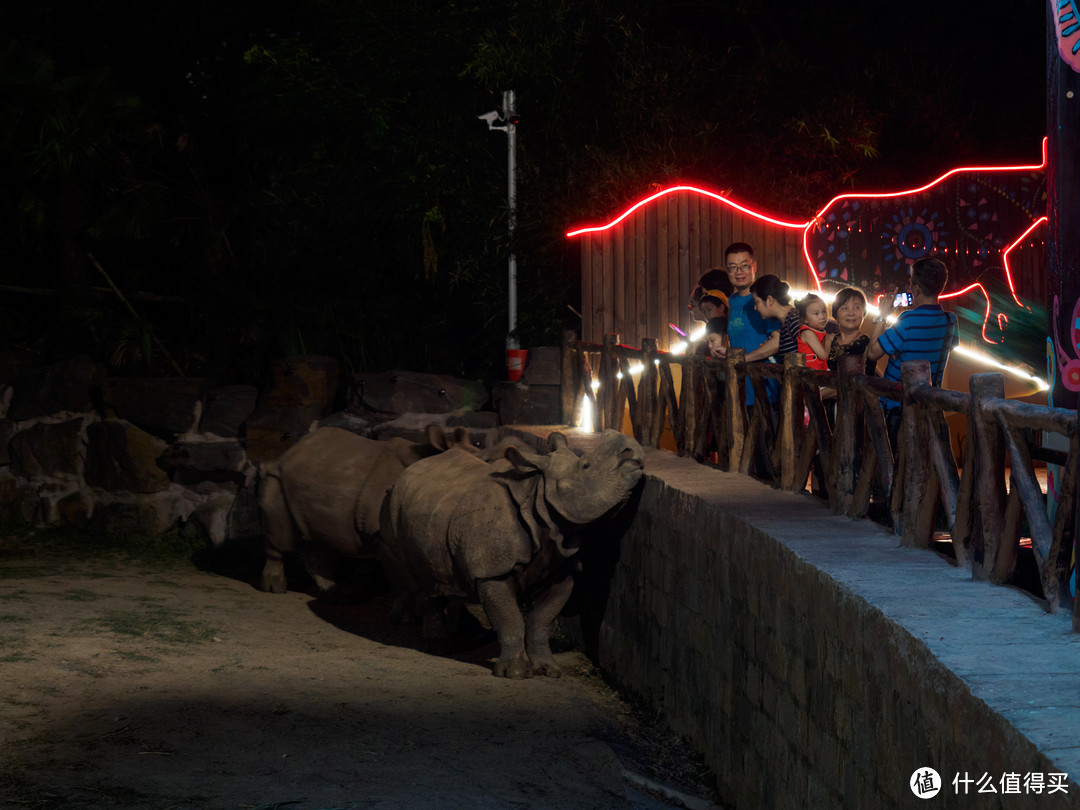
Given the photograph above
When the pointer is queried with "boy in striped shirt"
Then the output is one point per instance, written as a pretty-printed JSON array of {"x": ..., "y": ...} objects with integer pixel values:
[{"x": 922, "y": 332}]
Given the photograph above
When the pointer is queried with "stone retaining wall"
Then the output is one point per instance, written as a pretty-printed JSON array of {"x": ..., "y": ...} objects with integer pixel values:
[
  {"x": 148, "y": 454},
  {"x": 813, "y": 661}
]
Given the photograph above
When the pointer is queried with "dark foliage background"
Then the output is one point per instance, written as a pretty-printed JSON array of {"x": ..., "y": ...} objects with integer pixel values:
[{"x": 263, "y": 179}]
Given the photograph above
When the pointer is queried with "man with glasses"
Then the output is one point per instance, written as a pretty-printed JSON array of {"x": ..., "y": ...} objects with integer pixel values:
[{"x": 746, "y": 328}]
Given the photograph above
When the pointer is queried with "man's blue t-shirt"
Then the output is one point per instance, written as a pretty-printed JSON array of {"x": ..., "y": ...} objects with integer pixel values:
[
  {"x": 748, "y": 330},
  {"x": 924, "y": 333}
]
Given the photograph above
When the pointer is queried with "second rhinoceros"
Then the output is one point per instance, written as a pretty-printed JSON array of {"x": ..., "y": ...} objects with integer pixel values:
[
  {"x": 322, "y": 498},
  {"x": 504, "y": 532}
]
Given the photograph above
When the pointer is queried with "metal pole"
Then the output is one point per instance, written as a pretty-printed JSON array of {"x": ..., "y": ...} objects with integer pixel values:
[{"x": 511, "y": 193}]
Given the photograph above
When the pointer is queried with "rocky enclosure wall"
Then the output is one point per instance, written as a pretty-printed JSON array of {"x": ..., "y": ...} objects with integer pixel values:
[
  {"x": 147, "y": 455},
  {"x": 813, "y": 661}
]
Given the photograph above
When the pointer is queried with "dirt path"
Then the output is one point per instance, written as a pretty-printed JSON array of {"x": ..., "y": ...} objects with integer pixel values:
[{"x": 126, "y": 685}]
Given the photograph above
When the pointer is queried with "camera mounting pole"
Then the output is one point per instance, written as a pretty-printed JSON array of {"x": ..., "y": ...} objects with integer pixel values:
[
  {"x": 509, "y": 121},
  {"x": 510, "y": 114}
]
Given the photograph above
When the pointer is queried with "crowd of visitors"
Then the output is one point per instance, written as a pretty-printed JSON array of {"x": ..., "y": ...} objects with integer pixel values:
[{"x": 757, "y": 314}]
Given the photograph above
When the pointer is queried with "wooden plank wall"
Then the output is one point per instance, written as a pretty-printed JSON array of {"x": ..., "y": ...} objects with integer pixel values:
[{"x": 637, "y": 276}]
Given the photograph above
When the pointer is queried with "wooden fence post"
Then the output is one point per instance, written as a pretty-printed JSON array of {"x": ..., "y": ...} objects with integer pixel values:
[
  {"x": 918, "y": 471},
  {"x": 647, "y": 392},
  {"x": 688, "y": 412},
  {"x": 988, "y": 468},
  {"x": 735, "y": 399},
  {"x": 569, "y": 389},
  {"x": 845, "y": 447},
  {"x": 630, "y": 396},
  {"x": 791, "y": 416},
  {"x": 609, "y": 382}
]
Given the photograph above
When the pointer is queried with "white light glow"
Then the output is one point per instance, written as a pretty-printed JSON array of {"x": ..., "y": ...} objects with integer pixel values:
[
  {"x": 824, "y": 296},
  {"x": 990, "y": 361},
  {"x": 585, "y": 420}
]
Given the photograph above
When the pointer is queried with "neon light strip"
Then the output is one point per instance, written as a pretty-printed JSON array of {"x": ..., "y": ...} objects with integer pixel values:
[
  {"x": 1005, "y": 255},
  {"x": 694, "y": 189},
  {"x": 806, "y": 226},
  {"x": 949, "y": 173},
  {"x": 880, "y": 195}
]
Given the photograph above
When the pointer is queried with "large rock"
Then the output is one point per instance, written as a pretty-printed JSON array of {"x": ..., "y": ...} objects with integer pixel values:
[
  {"x": 303, "y": 392},
  {"x": 48, "y": 450},
  {"x": 63, "y": 501},
  {"x": 15, "y": 363},
  {"x": 304, "y": 381},
  {"x": 17, "y": 498},
  {"x": 274, "y": 430},
  {"x": 143, "y": 513},
  {"x": 400, "y": 392},
  {"x": 228, "y": 512},
  {"x": 190, "y": 462},
  {"x": 7, "y": 431},
  {"x": 543, "y": 366},
  {"x": 121, "y": 457},
  {"x": 227, "y": 409},
  {"x": 164, "y": 406},
  {"x": 520, "y": 404},
  {"x": 354, "y": 423},
  {"x": 70, "y": 386}
]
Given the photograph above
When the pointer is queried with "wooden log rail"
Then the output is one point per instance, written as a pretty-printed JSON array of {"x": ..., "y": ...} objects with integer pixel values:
[{"x": 790, "y": 439}]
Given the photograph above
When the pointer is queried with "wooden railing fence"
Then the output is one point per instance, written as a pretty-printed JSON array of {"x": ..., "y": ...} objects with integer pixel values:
[{"x": 986, "y": 505}]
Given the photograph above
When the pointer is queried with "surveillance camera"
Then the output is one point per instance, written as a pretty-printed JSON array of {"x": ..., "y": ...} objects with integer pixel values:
[{"x": 490, "y": 117}]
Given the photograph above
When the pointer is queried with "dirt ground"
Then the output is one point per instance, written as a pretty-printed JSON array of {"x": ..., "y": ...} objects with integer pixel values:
[{"x": 126, "y": 683}]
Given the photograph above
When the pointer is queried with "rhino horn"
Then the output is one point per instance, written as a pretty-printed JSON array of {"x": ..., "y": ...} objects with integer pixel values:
[{"x": 629, "y": 456}]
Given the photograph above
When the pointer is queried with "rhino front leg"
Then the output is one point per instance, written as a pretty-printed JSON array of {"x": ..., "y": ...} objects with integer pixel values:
[
  {"x": 499, "y": 598},
  {"x": 538, "y": 627},
  {"x": 279, "y": 534}
]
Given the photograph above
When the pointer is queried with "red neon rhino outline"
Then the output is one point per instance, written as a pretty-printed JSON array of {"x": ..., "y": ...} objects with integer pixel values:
[{"x": 806, "y": 227}]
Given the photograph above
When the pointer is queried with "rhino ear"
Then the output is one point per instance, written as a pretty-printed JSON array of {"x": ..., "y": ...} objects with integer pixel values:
[
  {"x": 557, "y": 441},
  {"x": 436, "y": 438},
  {"x": 525, "y": 463}
]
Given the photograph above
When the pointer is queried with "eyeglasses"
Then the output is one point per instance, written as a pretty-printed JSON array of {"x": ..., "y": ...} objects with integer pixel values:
[{"x": 732, "y": 268}]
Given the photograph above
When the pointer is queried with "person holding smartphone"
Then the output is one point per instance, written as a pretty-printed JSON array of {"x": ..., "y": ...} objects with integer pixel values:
[{"x": 923, "y": 331}]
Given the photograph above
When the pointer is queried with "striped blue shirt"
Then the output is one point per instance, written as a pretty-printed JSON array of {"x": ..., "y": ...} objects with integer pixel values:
[{"x": 924, "y": 333}]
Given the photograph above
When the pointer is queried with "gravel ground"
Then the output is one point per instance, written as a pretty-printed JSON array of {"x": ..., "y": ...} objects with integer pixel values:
[{"x": 137, "y": 684}]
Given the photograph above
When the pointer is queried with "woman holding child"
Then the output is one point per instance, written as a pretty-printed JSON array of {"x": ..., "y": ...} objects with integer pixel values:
[{"x": 849, "y": 312}]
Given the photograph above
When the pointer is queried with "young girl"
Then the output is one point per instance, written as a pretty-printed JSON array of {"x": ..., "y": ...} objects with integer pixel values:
[
  {"x": 716, "y": 339},
  {"x": 772, "y": 299},
  {"x": 813, "y": 316}
]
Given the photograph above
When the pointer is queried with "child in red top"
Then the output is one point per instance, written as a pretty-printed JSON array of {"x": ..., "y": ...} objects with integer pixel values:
[{"x": 813, "y": 315}]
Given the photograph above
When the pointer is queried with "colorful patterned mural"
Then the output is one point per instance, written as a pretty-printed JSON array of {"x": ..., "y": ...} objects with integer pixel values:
[{"x": 968, "y": 217}]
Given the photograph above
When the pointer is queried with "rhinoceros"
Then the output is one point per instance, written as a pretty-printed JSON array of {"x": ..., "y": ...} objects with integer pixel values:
[
  {"x": 322, "y": 498},
  {"x": 505, "y": 532}
]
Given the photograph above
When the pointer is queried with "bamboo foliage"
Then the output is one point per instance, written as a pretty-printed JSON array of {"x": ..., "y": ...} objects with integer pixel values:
[{"x": 849, "y": 461}]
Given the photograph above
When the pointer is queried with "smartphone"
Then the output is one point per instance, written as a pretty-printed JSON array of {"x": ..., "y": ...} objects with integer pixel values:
[{"x": 902, "y": 300}]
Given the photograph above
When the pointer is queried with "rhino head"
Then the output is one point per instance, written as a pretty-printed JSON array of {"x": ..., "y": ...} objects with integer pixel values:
[{"x": 581, "y": 488}]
